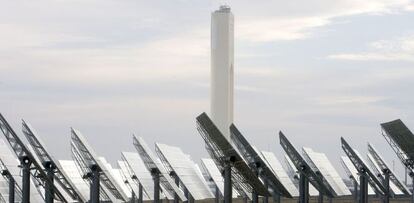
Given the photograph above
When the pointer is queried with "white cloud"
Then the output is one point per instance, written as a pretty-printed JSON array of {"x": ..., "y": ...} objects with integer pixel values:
[
  {"x": 399, "y": 49},
  {"x": 296, "y": 20}
]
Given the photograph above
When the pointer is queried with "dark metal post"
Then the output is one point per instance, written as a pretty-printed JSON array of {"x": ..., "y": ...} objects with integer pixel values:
[
  {"x": 355, "y": 189},
  {"x": 132, "y": 196},
  {"x": 412, "y": 185},
  {"x": 276, "y": 197},
  {"x": 266, "y": 197},
  {"x": 387, "y": 185},
  {"x": 363, "y": 184},
  {"x": 95, "y": 185},
  {"x": 140, "y": 193},
  {"x": 25, "y": 164},
  {"x": 217, "y": 195},
  {"x": 303, "y": 187},
  {"x": 49, "y": 193},
  {"x": 11, "y": 185},
  {"x": 186, "y": 194},
  {"x": 255, "y": 196},
  {"x": 320, "y": 197},
  {"x": 177, "y": 182},
  {"x": 156, "y": 175},
  {"x": 227, "y": 183}
]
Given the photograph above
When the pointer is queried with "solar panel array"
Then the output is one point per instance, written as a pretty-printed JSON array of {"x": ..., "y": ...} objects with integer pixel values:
[
  {"x": 322, "y": 164},
  {"x": 10, "y": 161},
  {"x": 127, "y": 177},
  {"x": 183, "y": 167},
  {"x": 294, "y": 176},
  {"x": 143, "y": 176},
  {"x": 117, "y": 184},
  {"x": 89, "y": 158},
  {"x": 319, "y": 182},
  {"x": 39, "y": 149},
  {"x": 352, "y": 172},
  {"x": 400, "y": 133},
  {"x": 396, "y": 185},
  {"x": 256, "y": 162},
  {"x": 152, "y": 162},
  {"x": 220, "y": 150},
  {"x": 281, "y": 174}
]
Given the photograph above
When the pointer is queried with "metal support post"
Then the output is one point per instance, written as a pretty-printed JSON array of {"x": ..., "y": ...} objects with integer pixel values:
[
  {"x": 412, "y": 185},
  {"x": 276, "y": 197},
  {"x": 227, "y": 182},
  {"x": 255, "y": 196},
  {"x": 386, "y": 185},
  {"x": 133, "y": 196},
  {"x": 95, "y": 185},
  {"x": 355, "y": 188},
  {"x": 186, "y": 194},
  {"x": 156, "y": 176},
  {"x": 11, "y": 184},
  {"x": 140, "y": 193},
  {"x": 49, "y": 193},
  {"x": 266, "y": 197},
  {"x": 320, "y": 197},
  {"x": 303, "y": 187},
  {"x": 217, "y": 195},
  {"x": 363, "y": 185},
  {"x": 177, "y": 182},
  {"x": 25, "y": 163}
]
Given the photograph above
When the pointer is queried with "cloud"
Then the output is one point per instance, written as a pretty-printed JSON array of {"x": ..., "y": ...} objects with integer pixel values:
[
  {"x": 398, "y": 49},
  {"x": 297, "y": 20}
]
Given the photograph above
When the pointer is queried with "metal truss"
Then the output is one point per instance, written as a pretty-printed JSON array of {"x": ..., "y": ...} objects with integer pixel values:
[
  {"x": 149, "y": 161},
  {"x": 383, "y": 166},
  {"x": 404, "y": 158},
  {"x": 21, "y": 151},
  {"x": 362, "y": 168},
  {"x": 84, "y": 170},
  {"x": 44, "y": 157},
  {"x": 256, "y": 162},
  {"x": 221, "y": 151},
  {"x": 319, "y": 182},
  {"x": 88, "y": 158},
  {"x": 9, "y": 177}
]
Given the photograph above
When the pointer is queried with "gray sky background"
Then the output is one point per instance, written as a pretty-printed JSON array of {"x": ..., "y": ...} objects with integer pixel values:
[{"x": 316, "y": 69}]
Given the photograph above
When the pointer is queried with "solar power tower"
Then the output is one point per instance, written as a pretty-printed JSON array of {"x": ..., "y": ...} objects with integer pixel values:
[
  {"x": 94, "y": 168},
  {"x": 29, "y": 166},
  {"x": 321, "y": 164},
  {"x": 306, "y": 174},
  {"x": 158, "y": 172},
  {"x": 52, "y": 167},
  {"x": 385, "y": 172},
  {"x": 182, "y": 169},
  {"x": 228, "y": 160},
  {"x": 401, "y": 140},
  {"x": 365, "y": 175},
  {"x": 259, "y": 165}
]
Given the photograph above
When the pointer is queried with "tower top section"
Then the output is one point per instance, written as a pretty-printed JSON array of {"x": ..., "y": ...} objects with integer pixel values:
[{"x": 223, "y": 9}]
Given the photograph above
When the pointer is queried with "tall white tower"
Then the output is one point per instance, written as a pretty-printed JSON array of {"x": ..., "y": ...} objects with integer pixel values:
[{"x": 222, "y": 61}]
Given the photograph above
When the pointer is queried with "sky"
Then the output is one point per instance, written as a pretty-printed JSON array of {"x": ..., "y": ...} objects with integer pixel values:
[{"x": 318, "y": 70}]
